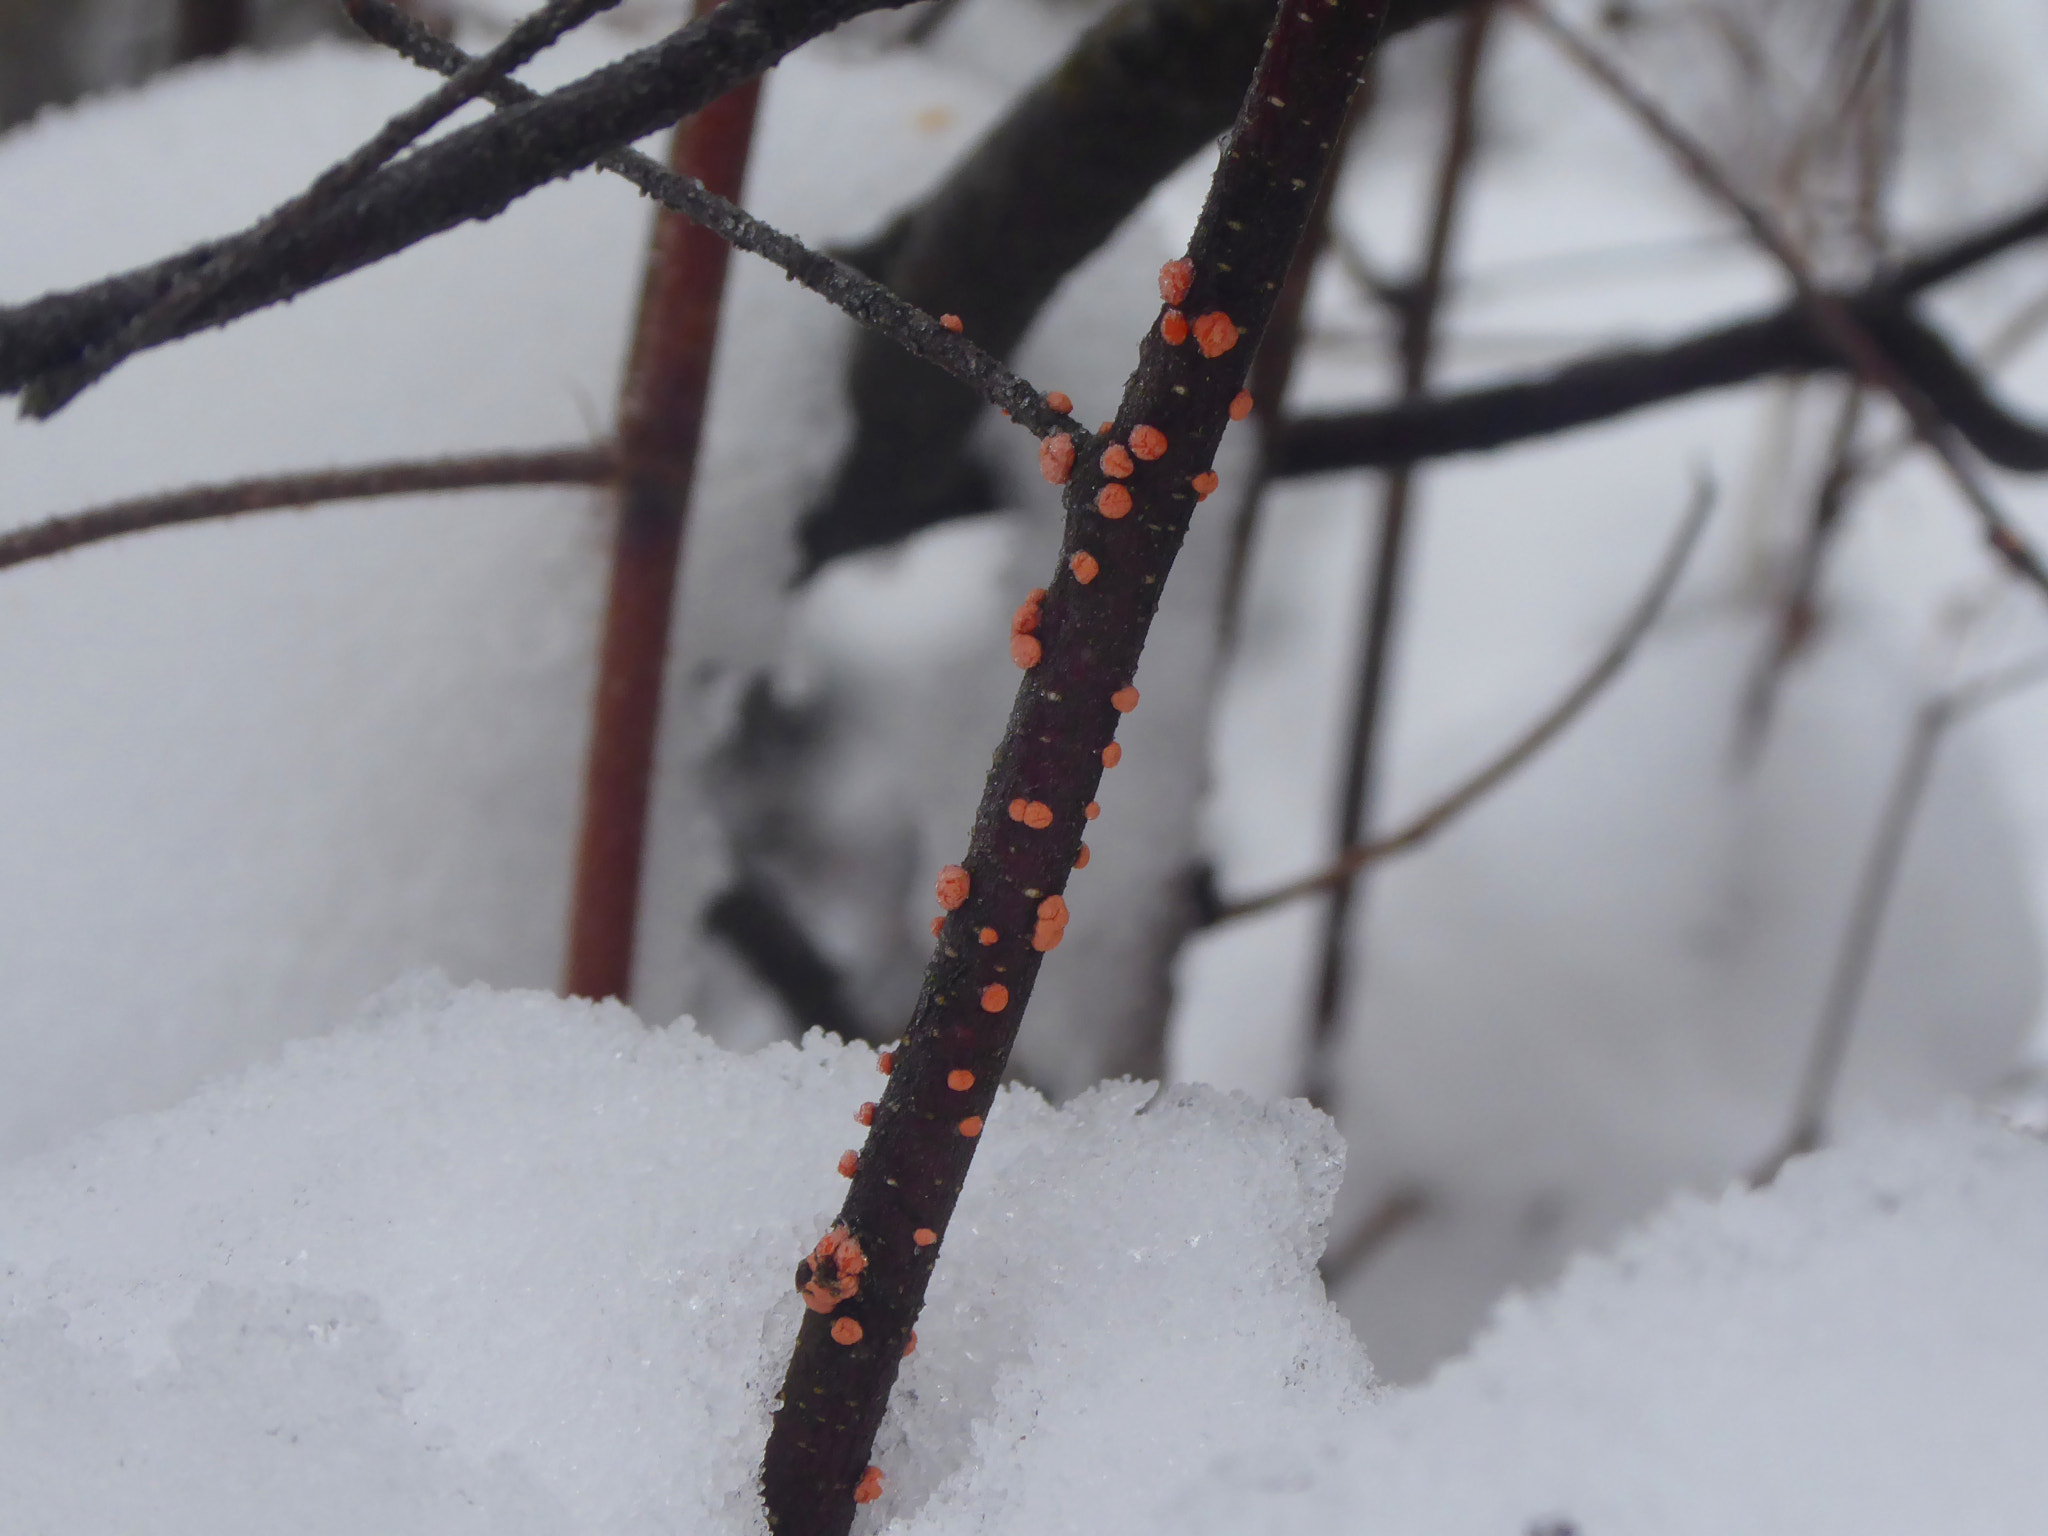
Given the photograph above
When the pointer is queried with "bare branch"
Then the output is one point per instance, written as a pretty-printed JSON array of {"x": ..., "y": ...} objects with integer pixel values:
[
  {"x": 1642, "y": 618},
  {"x": 554, "y": 466}
]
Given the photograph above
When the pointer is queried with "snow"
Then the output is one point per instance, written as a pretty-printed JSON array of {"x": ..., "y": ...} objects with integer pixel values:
[{"x": 495, "y": 1261}]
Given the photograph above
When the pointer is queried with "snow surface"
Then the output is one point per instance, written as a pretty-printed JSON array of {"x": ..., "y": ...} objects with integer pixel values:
[{"x": 498, "y": 1262}]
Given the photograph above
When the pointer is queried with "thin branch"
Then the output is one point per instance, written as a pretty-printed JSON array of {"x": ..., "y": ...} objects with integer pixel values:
[
  {"x": 754, "y": 919},
  {"x": 1837, "y": 322},
  {"x": 1640, "y": 621},
  {"x": 469, "y": 173},
  {"x": 858, "y": 295},
  {"x": 48, "y": 394},
  {"x": 555, "y": 466},
  {"x": 209, "y": 28},
  {"x": 1386, "y": 1221},
  {"x": 1079, "y": 641}
]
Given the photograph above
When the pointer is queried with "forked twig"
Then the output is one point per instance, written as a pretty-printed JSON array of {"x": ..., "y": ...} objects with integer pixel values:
[
  {"x": 1641, "y": 619},
  {"x": 269, "y": 493}
]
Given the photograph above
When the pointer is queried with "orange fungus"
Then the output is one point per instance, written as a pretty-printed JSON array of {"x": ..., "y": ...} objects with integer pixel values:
[
  {"x": 1037, "y": 815},
  {"x": 1081, "y": 858},
  {"x": 1017, "y": 808},
  {"x": 952, "y": 323},
  {"x": 959, "y": 1079},
  {"x": 869, "y": 1488},
  {"x": 1116, "y": 462},
  {"x": 988, "y": 937},
  {"x": 1085, "y": 567},
  {"x": 1148, "y": 442},
  {"x": 1241, "y": 405},
  {"x": 865, "y": 1114},
  {"x": 846, "y": 1331},
  {"x": 1204, "y": 483},
  {"x": 1056, "y": 458},
  {"x": 1215, "y": 334},
  {"x": 886, "y": 1063},
  {"x": 1112, "y": 755},
  {"x": 1173, "y": 327},
  {"x": 1092, "y": 809},
  {"x": 1113, "y": 502},
  {"x": 994, "y": 998},
  {"x": 924, "y": 1237},
  {"x": 971, "y": 1127},
  {"x": 910, "y": 1345},
  {"x": 849, "y": 1164},
  {"x": 1124, "y": 700},
  {"x": 952, "y": 887},
  {"x": 1059, "y": 400},
  {"x": 1025, "y": 651},
  {"x": 1175, "y": 278}
]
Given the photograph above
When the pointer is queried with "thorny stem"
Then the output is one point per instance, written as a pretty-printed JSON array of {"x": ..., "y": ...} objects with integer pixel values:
[
  {"x": 1546, "y": 728},
  {"x": 555, "y": 466},
  {"x": 1088, "y": 639},
  {"x": 859, "y": 296},
  {"x": 1420, "y": 304},
  {"x": 47, "y": 395},
  {"x": 661, "y": 422},
  {"x": 1838, "y": 324},
  {"x": 469, "y": 173}
]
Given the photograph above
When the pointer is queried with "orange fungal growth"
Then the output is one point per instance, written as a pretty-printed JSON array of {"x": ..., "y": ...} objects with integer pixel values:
[
  {"x": 988, "y": 937},
  {"x": 959, "y": 1079},
  {"x": 953, "y": 886},
  {"x": 1025, "y": 620},
  {"x": 1147, "y": 442},
  {"x": 1025, "y": 651},
  {"x": 1037, "y": 816},
  {"x": 1124, "y": 700},
  {"x": 1053, "y": 910},
  {"x": 1045, "y": 938},
  {"x": 866, "y": 1113},
  {"x": 1018, "y": 807},
  {"x": 952, "y": 323},
  {"x": 1215, "y": 333},
  {"x": 1175, "y": 278},
  {"x": 1084, "y": 566},
  {"x": 1052, "y": 924},
  {"x": 869, "y": 1488},
  {"x": 910, "y": 1344},
  {"x": 1056, "y": 458},
  {"x": 938, "y": 926},
  {"x": 924, "y": 1237},
  {"x": 849, "y": 1164},
  {"x": 1116, "y": 462},
  {"x": 1173, "y": 327},
  {"x": 970, "y": 1127},
  {"x": 995, "y": 997},
  {"x": 1241, "y": 405},
  {"x": 885, "y": 1063},
  {"x": 1113, "y": 502},
  {"x": 1081, "y": 858},
  {"x": 1059, "y": 400},
  {"x": 1092, "y": 809},
  {"x": 1112, "y": 755},
  {"x": 832, "y": 1272},
  {"x": 1204, "y": 483}
]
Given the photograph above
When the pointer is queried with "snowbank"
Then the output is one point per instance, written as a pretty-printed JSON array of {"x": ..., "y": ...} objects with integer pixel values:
[{"x": 495, "y": 1262}]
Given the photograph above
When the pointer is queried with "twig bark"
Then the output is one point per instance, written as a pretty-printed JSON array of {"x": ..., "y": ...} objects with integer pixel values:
[
  {"x": 661, "y": 421},
  {"x": 1080, "y": 644},
  {"x": 1418, "y": 305},
  {"x": 74, "y": 530},
  {"x": 469, "y": 173},
  {"x": 1606, "y": 667},
  {"x": 753, "y": 918},
  {"x": 914, "y": 330},
  {"x": 208, "y": 28}
]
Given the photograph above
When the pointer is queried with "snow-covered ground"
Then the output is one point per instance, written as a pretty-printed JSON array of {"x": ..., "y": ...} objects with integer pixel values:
[{"x": 529, "y": 1260}]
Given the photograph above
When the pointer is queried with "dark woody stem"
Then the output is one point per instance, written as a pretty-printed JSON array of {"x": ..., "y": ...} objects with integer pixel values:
[{"x": 1028, "y": 830}]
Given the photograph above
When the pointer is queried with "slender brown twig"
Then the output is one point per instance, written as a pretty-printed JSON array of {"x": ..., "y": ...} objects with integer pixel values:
[
  {"x": 269, "y": 493},
  {"x": 1417, "y": 307},
  {"x": 1446, "y": 809},
  {"x": 209, "y": 28},
  {"x": 1129, "y": 500}
]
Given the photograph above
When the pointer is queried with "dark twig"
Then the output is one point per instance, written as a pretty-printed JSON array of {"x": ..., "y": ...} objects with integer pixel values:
[
  {"x": 661, "y": 421},
  {"x": 1419, "y": 304},
  {"x": 754, "y": 919},
  {"x": 557, "y": 466},
  {"x": 1381, "y": 1225},
  {"x": 1419, "y": 829},
  {"x": 209, "y": 28},
  {"x": 1080, "y": 644},
  {"x": 1842, "y": 328},
  {"x": 469, "y": 173},
  {"x": 48, "y": 394},
  {"x": 860, "y": 296},
  {"x": 1874, "y": 888}
]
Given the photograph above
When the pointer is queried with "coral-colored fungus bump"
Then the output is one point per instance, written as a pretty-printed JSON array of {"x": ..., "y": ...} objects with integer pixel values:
[
  {"x": 1147, "y": 442},
  {"x": 1173, "y": 327},
  {"x": 1026, "y": 651},
  {"x": 1241, "y": 405},
  {"x": 1175, "y": 278},
  {"x": 952, "y": 323},
  {"x": 866, "y": 1113},
  {"x": 995, "y": 997},
  {"x": 1053, "y": 910},
  {"x": 1204, "y": 483},
  {"x": 1124, "y": 700},
  {"x": 1113, "y": 502},
  {"x": 1046, "y": 937},
  {"x": 1112, "y": 755},
  {"x": 959, "y": 1079},
  {"x": 938, "y": 926},
  {"x": 970, "y": 1127},
  {"x": 1084, "y": 566},
  {"x": 953, "y": 885},
  {"x": 846, "y": 1331},
  {"x": 1018, "y": 807},
  {"x": 1037, "y": 816},
  {"x": 849, "y": 1164},
  {"x": 1092, "y": 809},
  {"x": 1025, "y": 620},
  {"x": 1215, "y": 333},
  {"x": 988, "y": 937},
  {"x": 869, "y": 1488},
  {"x": 1116, "y": 462},
  {"x": 1059, "y": 400},
  {"x": 1081, "y": 858},
  {"x": 910, "y": 1344},
  {"x": 924, "y": 1237},
  {"x": 885, "y": 1063},
  {"x": 1056, "y": 458}
]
